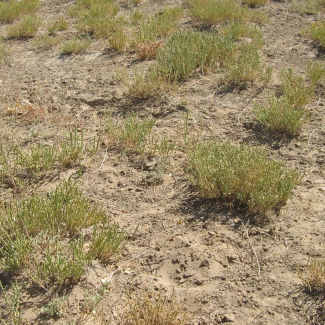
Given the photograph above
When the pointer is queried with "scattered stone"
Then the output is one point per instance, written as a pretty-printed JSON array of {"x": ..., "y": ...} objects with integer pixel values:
[
  {"x": 198, "y": 282},
  {"x": 228, "y": 318},
  {"x": 204, "y": 263}
]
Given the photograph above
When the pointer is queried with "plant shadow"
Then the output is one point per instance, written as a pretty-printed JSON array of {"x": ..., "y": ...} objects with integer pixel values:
[{"x": 203, "y": 209}]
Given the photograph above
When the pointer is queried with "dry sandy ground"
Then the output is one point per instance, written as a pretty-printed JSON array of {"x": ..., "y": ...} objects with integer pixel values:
[{"x": 219, "y": 265}]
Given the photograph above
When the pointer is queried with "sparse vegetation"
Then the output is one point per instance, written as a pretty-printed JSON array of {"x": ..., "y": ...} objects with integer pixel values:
[
  {"x": 188, "y": 52},
  {"x": 84, "y": 160},
  {"x": 309, "y": 7},
  {"x": 240, "y": 174},
  {"x": 17, "y": 165},
  {"x": 12, "y": 10},
  {"x": 40, "y": 236}
]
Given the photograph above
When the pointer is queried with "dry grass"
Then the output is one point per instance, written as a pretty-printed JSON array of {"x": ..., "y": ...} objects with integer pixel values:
[
  {"x": 148, "y": 50},
  {"x": 158, "y": 310},
  {"x": 313, "y": 276}
]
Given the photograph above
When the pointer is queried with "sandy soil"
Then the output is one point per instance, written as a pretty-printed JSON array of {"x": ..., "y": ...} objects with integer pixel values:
[{"x": 218, "y": 264}]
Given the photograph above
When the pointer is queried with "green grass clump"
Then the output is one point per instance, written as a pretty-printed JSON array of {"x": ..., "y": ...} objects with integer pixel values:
[
  {"x": 4, "y": 52},
  {"x": 60, "y": 24},
  {"x": 315, "y": 72},
  {"x": 12, "y": 10},
  {"x": 25, "y": 28},
  {"x": 211, "y": 12},
  {"x": 255, "y": 3},
  {"x": 75, "y": 45},
  {"x": 160, "y": 25},
  {"x": 107, "y": 241},
  {"x": 46, "y": 42},
  {"x": 97, "y": 17},
  {"x": 317, "y": 33},
  {"x": 240, "y": 174},
  {"x": 42, "y": 237},
  {"x": 309, "y": 7},
  {"x": 188, "y": 52},
  {"x": 17, "y": 165},
  {"x": 131, "y": 134},
  {"x": 287, "y": 113}
]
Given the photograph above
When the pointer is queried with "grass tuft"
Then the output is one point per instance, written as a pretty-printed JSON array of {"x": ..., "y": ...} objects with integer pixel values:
[
  {"x": 313, "y": 276},
  {"x": 75, "y": 45},
  {"x": 160, "y": 25},
  {"x": 131, "y": 134},
  {"x": 212, "y": 12},
  {"x": 153, "y": 311},
  {"x": 240, "y": 174},
  {"x": 25, "y": 28},
  {"x": 41, "y": 237},
  {"x": 12, "y": 10},
  {"x": 287, "y": 113},
  {"x": 255, "y": 3}
]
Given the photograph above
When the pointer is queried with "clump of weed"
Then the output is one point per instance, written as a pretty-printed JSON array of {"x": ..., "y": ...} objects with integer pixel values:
[
  {"x": 287, "y": 113},
  {"x": 146, "y": 84},
  {"x": 46, "y": 42},
  {"x": 119, "y": 40},
  {"x": 17, "y": 164},
  {"x": 315, "y": 72},
  {"x": 148, "y": 50},
  {"x": 157, "y": 310},
  {"x": 317, "y": 33},
  {"x": 25, "y": 28},
  {"x": 4, "y": 52},
  {"x": 55, "y": 308},
  {"x": 97, "y": 17},
  {"x": 60, "y": 24},
  {"x": 211, "y": 12},
  {"x": 131, "y": 134},
  {"x": 12, "y": 10},
  {"x": 309, "y": 7},
  {"x": 240, "y": 174},
  {"x": 255, "y": 3},
  {"x": 41, "y": 237},
  {"x": 187, "y": 52},
  {"x": 75, "y": 45},
  {"x": 107, "y": 241},
  {"x": 12, "y": 302},
  {"x": 160, "y": 25},
  {"x": 313, "y": 276}
]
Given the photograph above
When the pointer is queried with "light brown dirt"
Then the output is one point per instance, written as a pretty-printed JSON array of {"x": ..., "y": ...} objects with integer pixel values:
[{"x": 195, "y": 250}]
